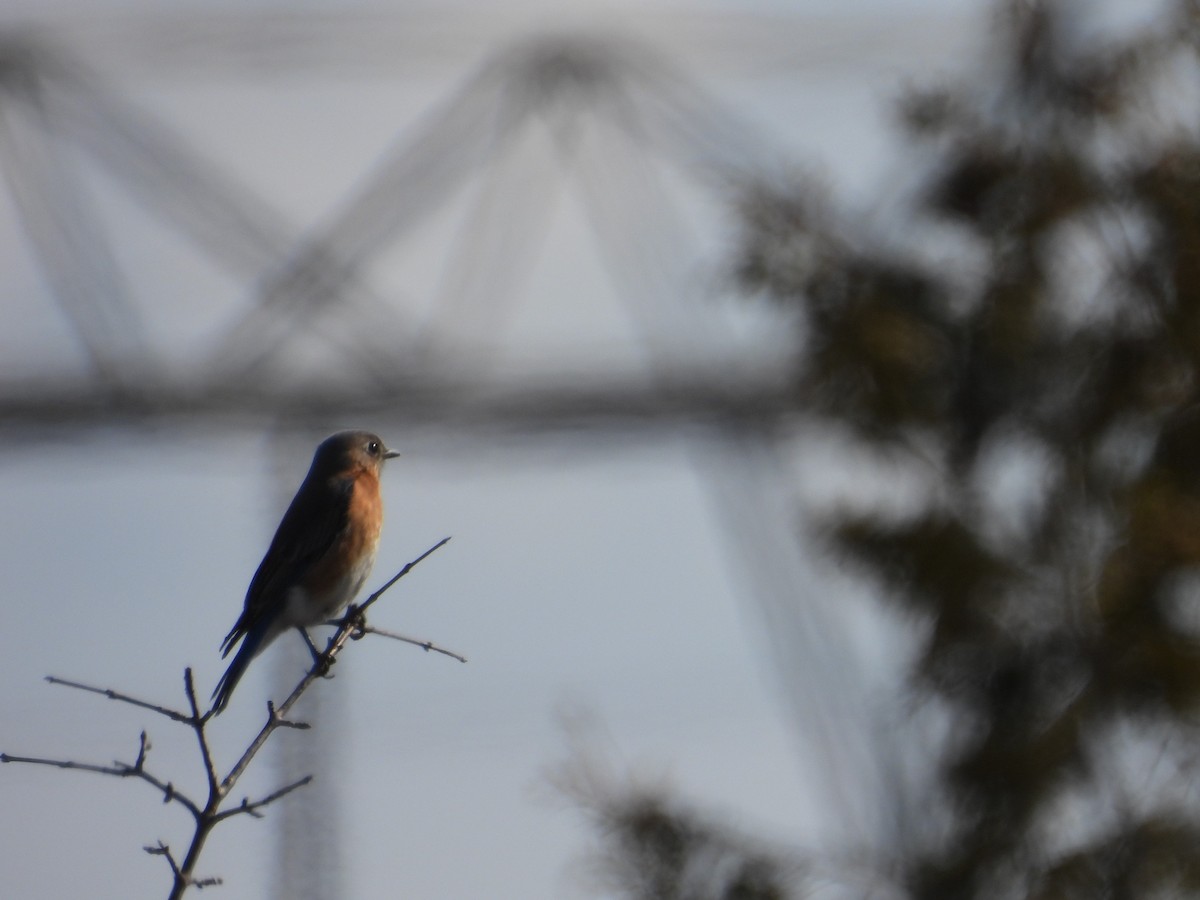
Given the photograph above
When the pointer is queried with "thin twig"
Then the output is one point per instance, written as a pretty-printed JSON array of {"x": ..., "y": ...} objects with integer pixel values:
[
  {"x": 172, "y": 714},
  {"x": 286, "y": 723},
  {"x": 164, "y": 851},
  {"x": 252, "y": 807},
  {"x": 118, "y": 769},
  {"x": 275, "y": 719},
  {"x": 424, "y": 645},
  {"x": 408, "y": 568},
  {"x": 197, "y": 723}
]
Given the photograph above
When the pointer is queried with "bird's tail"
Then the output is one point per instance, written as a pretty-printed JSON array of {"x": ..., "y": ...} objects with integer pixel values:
[{"x": 251, "y": 644}]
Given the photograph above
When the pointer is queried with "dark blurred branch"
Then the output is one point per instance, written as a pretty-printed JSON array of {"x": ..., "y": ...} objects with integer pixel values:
[
  {"x": 1024, "y": 320},
  {"x": 654, "y": 847},
  {"x": 677, "y": 398}
]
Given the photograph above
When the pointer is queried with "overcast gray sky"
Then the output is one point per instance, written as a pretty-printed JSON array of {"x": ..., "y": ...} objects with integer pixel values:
[{"x": 586, "y": 574}]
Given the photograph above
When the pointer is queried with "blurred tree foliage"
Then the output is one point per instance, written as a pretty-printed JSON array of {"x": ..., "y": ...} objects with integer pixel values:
[
  {"x": 657, "y": 849},
  {"x": 1031, "y": 331}
]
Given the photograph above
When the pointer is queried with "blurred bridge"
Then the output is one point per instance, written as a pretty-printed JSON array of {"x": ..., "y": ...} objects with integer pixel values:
[
  {"x": 307, "y": 326},
  {"x": 317, "y": 334}
]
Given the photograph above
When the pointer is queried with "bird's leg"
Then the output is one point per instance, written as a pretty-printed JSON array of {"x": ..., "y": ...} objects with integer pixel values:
[{"x": 318, "y": 658}]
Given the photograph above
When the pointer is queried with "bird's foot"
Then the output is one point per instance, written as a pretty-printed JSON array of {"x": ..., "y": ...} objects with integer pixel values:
[
  {"x": 323, "y": 665},
  {"x": 357, "y": 620}
]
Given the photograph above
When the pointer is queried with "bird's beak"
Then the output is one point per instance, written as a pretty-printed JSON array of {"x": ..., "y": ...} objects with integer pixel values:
[{"x": 391, "y": 454}]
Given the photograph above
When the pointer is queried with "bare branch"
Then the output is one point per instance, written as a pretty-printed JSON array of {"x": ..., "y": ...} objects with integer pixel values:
[
  {"x": 62, "y": 764},
  {"x": 276, "y": 718},
  {"x": 164, "y": 851},
  {"x": 424, "y": 645},
  {"x": 351, "y": 626},
  {"x": 172, "y": 714},
  {"x": 197, "y": 722},
  {"x": 252, "y": 807},
  {"x": 118, "y": 770},
  {"x": 286, "y": 723},
  {"x": 408, "y": 568}
]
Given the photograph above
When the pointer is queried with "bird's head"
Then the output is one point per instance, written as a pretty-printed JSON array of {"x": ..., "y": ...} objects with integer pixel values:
[{"x": 348, "y": 450}]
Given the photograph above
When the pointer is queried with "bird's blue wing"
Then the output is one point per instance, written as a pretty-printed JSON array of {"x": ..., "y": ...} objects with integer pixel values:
[{"x": 314, "y": 521}]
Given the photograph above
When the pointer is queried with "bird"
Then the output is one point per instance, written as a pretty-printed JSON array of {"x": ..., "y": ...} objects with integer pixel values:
[{"x": 322, "y": 552}]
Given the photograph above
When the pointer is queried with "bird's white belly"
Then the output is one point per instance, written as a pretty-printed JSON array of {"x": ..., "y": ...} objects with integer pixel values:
[{"x": 304, "y": 608}]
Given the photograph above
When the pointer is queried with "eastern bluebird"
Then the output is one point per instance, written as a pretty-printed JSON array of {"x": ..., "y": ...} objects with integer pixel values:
[{"x": 320, "y": 556}]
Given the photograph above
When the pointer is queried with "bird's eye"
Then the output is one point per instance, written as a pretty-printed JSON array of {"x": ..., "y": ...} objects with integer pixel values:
[{"x": 373, "y": 448}]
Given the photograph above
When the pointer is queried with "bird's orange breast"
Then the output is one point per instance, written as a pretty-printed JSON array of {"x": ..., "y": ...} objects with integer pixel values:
[
  {"x": 364, "y": 520},
  {"x": 340, "y": 573}
]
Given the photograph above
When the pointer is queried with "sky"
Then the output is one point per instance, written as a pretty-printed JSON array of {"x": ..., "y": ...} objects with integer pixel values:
[{"x": 598, "y": 578}]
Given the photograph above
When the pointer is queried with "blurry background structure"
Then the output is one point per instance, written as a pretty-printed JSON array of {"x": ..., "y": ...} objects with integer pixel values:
[{"x": 562, "y": 263}]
